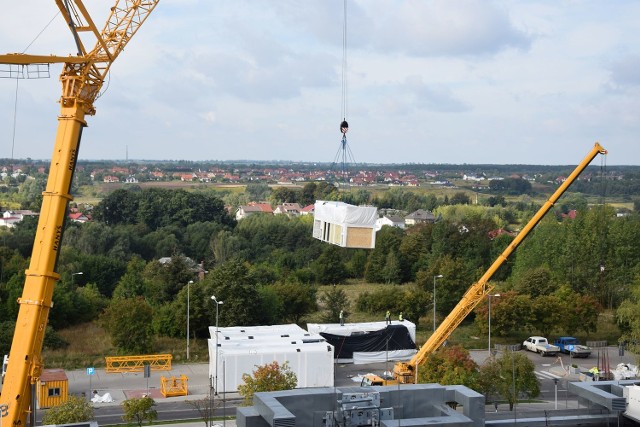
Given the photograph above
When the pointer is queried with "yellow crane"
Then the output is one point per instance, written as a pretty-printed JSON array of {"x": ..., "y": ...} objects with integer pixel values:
[
  {"x": 406, "y": 372},
  {"x": 82, "y": 78}
]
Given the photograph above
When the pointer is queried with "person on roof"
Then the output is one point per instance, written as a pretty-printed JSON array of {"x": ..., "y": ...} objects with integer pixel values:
[
  {"x": 341, "y": 318},
  {"x": 387, "y": 317}
]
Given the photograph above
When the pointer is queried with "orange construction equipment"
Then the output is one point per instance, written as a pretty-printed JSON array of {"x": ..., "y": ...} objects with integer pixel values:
[
  {"x": 406, "y": 372},
  {"x": 172, "y": 387},
  {"x": 119, "y": 364}
]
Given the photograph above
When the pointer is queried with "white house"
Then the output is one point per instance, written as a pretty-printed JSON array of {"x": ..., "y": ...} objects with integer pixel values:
[
  {"x": 419, "y": 216},
  {"x": 11, "y": 218},
  {"x": 390, "y": 220}
]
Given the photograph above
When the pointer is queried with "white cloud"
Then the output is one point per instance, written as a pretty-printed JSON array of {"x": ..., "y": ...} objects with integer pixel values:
[{"x": 508, "y": 81}]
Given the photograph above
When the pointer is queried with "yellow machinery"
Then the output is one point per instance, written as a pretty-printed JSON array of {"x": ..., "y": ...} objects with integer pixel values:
[
  {"x": 172, "y": 387},
  {"x": 406, "y": 372},
  {"x": 120, "y": 364},
  {"x": 82, "y": 78}
]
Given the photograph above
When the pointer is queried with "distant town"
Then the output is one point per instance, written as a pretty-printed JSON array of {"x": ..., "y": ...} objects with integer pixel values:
[{"x": 287, "y": 173}]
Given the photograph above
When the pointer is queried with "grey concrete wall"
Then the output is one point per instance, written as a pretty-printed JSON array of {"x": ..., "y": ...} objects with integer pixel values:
[{"x": 413, "y": 405}]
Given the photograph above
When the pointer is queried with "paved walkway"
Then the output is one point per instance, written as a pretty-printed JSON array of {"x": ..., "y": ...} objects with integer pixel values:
[
  {"x": 133, "y": 384},
  {"x": 127, "y": 385}
]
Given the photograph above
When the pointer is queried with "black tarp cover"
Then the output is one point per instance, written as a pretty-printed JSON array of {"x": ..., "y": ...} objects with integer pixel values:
[{"x": 397, "y": 336}]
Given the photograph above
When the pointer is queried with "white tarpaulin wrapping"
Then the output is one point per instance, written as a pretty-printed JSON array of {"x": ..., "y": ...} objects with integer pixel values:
[
  {"x": 242, "y": 349},
  {"x": 344, "y": 213},
  {"x": 362, "y": 358},
  {"x": 105, "y": 398},
  {"x": 236, "y": 333},
  {"x": 345, "y": 225}
]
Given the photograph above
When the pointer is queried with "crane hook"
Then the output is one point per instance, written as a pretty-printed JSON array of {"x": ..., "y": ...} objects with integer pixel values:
[{"x": 344, "y": 127}]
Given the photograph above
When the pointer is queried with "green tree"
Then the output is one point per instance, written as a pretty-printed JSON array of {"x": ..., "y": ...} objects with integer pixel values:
[
  {"x": 536, "y": 282},
  {"x": 132, "y": 283},
  {"x": 258, "y": 191},
  {"x": 388, "y": 240},
  {"x": 74, "y": 410},
  {"x": 415, "y": 303},
  {"x": 308, "y": 195},
  {"x": 511, "y": 376},
  {"x": 129, "y": 322},
  {"x": 510, "y": 314},
  {"x": 233, "y": 283},
  {"x": 578, "y": 312},
  {"x": 628, "y": 317},
  {"x": 460, "y": 198},
  {"x": 449, "y": 365},
  {"x": 269, "y": 377},
  {"x": 118, "y": 207},
  {"x": 139, "y": 410},
  {"x": 285, "y": 195},
  {"x": 297, "y": 300},
  {"x": 329, "y": 267},
  {"x": 334, "y": 300},
  {"x": 225, "y": 245},
  {"x": 392, "y": 271},
  {"x": 165, "y": 280}
]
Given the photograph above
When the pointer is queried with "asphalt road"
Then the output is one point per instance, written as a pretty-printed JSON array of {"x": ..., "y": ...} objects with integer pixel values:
[{"x": 123, "y": 386}]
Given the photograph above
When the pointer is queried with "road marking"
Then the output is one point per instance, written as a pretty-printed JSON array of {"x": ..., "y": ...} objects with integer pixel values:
[{"x": 546, "y": 375}]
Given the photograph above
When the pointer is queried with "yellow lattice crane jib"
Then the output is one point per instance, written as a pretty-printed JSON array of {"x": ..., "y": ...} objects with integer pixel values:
[
  {"x": 82, "y": 78},
  {"x": 120, "y": 364}
]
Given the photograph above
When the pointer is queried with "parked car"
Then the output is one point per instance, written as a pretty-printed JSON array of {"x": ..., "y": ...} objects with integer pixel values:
[
  {"x": 571, "y": 345},
  {"x": 541, "y": 346}
]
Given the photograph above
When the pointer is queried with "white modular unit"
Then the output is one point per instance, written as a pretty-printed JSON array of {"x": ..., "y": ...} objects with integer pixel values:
[
  {"x": 345, "y": 225},
  {"x": 242, "y": 349}
]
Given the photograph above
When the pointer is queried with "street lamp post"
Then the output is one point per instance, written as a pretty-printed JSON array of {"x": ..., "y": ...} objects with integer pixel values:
[
  {"x": 188, "y": 314},
  {"x": 496, "y": 295},
  {"x": 218, "y": 303},
  {"x": 439, "y": 276},
  {"x": 75, "y": 274}
]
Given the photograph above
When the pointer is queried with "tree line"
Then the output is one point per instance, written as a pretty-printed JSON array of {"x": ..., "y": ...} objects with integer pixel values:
[{"x": 144, "y": 247}]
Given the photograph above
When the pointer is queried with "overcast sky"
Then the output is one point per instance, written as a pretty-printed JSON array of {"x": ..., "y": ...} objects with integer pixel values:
[{"x": 429, "y": 81}]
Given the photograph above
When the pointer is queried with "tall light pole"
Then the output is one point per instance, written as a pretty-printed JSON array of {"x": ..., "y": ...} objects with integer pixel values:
[
  {"x": 188, "y": 314},
  {"x": 75, "y": 274},
  {"x": 439, "y": 276},
  {"x": 218, "y": 303},
  {"x": 489, "y": 296}
]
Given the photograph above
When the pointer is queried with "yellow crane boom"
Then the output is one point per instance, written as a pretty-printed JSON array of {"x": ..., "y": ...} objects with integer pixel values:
[
  {"x": 82, "y": 78},
  {"x": 405, "y": 372}
]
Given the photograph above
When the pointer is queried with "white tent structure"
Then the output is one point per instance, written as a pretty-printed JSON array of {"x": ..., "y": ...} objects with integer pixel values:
[
  {"x": 241, "y": 349},
  {"x": 369, "y": 342},
  {"x": 345, "y": 225}
]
